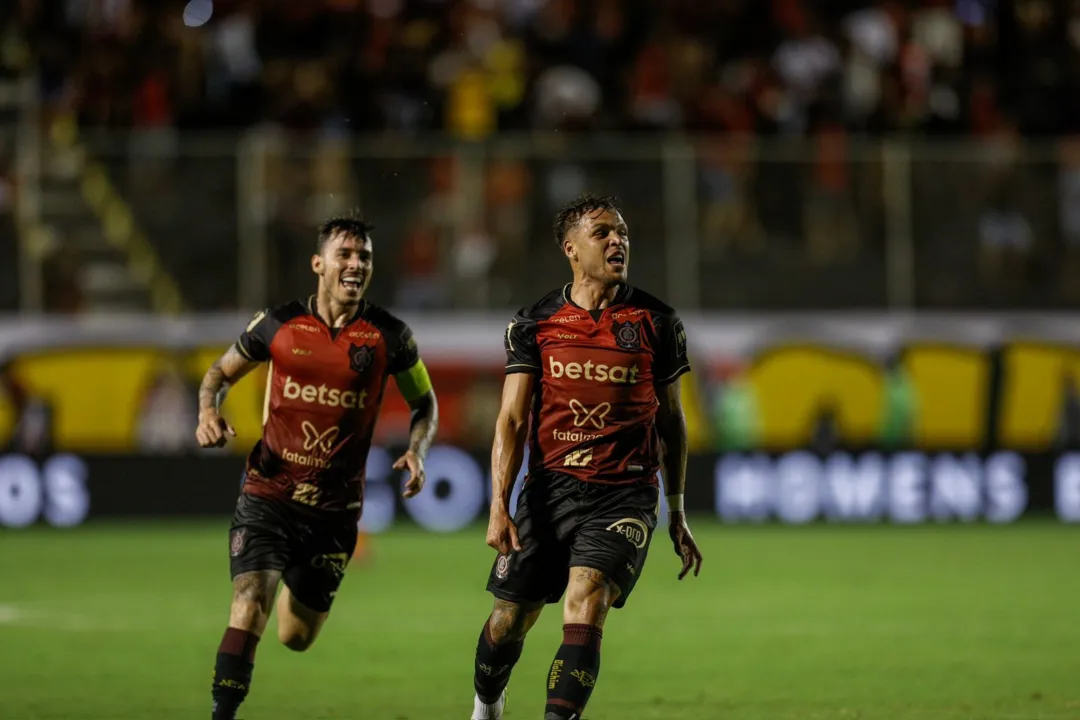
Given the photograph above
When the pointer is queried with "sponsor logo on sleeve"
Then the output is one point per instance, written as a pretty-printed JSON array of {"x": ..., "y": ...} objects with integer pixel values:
[{"x": 680, "y": 339}]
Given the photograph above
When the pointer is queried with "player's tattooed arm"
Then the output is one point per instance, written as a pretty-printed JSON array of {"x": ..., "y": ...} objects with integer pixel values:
[
  {"x": 223, "y": 374},
  {"x": 424, "y": 423},
  {"x": 226, "y": 371},
  {"x": 507, "y": 452},
  {"x": 422, "y": 427},
  {"x": 673, "y": 440}
]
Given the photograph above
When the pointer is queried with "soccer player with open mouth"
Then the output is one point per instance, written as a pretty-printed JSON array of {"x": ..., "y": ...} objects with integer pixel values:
[
  {"x": 330, "y": 357},
  {"x": 591, "y": 382}
]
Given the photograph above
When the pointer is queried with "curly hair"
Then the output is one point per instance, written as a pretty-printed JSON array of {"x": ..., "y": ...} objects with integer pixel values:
[{"x": 584, "y": 205}]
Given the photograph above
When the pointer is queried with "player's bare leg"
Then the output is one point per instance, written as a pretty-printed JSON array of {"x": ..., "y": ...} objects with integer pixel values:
[
  {"x": 298, "y": 625},
  {"x": 497, "y": 651},
  {"x": 573, "y": 674},
  {"x": 253, "y": 599}
]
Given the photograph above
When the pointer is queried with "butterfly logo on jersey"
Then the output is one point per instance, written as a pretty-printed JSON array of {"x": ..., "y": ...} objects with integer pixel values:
[
  {"x": 315, "y": 440},
  {"x": 627, "y": 334},
  {"x": 596, "y": 416},
  {"x": 361, "y": 357}
]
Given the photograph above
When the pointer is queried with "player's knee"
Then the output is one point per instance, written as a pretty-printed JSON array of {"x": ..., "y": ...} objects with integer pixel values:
[
  {"x": 296, "y": 639},
  {"x": 297, "y": 633},
  {"x": 511, "y": 622},
  {"x": 250, "y": 607},
  {"x": 589, "y": 596}
]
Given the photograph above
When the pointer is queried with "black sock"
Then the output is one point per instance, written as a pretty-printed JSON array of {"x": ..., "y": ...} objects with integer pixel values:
[
  {"x": 493, "y": 664},
  {"x": 232, "y": 673},
  {"x": 573, "y": 673}
]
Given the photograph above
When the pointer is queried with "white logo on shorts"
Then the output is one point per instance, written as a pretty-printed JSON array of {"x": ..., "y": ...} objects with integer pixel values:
[{"x": 633, "y": 530}]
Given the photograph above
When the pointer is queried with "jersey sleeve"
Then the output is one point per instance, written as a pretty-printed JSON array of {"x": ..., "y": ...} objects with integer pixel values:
[
  {"x": 254, "y": 342},
  {"x": 402, "y": 350},
  {"x": 405, "y": 365},
  {"x": 671, "y": 359},
  {"x": 522, "y": 349}
]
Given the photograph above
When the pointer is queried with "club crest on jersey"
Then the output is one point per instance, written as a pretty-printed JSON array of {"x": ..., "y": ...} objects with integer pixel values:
[
  {"x": 361, "y": 357},
  {"x": 627, "y": 334}
]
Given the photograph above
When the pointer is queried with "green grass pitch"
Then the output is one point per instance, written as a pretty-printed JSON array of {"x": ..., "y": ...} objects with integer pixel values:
[{"x": 118, "y": 622}]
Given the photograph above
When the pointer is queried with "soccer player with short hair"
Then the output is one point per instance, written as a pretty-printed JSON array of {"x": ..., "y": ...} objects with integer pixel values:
[
  {"x": 591, "y": 381},
  {"x": 296, "y": 518}
]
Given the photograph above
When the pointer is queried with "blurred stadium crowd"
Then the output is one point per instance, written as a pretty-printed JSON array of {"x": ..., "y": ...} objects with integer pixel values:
[
  {"x": 778, "y": 98},
  {"x": 474, "y": 67}
]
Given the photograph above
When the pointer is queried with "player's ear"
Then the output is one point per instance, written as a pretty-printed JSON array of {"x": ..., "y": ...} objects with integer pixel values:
[
  {"x": 568, "y": 249},
  {"x": 317, "y": 264}
]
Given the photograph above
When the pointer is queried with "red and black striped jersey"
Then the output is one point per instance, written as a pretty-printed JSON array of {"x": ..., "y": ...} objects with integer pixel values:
[
  {"x": 594, "y": 410},
  {"x": 324, "y": 389}
]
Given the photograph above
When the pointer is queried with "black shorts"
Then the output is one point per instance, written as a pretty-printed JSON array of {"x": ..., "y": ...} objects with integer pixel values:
[
  {"x": 310, "y": 548},
  {"x": 563, "y": 522}
]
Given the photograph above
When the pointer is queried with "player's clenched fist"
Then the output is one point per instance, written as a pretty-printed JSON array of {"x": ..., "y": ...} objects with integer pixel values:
[
  {"x": 502, "y": 533},
  {"x": 213, "y": 431}
]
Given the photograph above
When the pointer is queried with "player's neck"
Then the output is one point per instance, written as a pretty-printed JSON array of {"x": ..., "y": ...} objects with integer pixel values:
[
  {"x": 334, "y": 314},
  {"x": 589, "y": 294}
]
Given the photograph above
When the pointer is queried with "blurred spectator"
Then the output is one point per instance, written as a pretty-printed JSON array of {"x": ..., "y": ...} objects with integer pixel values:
[
  {"x": 420, "y": 286},
  {"x": 1069, "y": 216},
  {"x": 831, "y": 233},
  {"x": 803, "y": 79},
  {"x": 1006, "y": 237},
  {"x": 477, "y": 66}
]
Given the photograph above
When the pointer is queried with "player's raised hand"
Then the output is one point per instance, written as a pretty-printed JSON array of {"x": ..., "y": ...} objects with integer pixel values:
[
  {"x": 685, "y": 547},
  {"x": 502, "y": 533},
  {"x": 415, "y": 465},
  {"x": 213, "y": 430}
]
